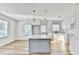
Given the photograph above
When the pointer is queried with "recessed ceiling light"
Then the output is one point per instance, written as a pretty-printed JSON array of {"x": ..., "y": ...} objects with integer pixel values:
[
  {"x": 34, "y": 10},
  {"x": 59, "y": 16}
]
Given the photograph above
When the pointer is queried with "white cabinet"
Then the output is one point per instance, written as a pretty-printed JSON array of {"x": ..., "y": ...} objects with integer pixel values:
[
  {"x": 35, "y": 29},
  {"x": 43, "y": 28}
]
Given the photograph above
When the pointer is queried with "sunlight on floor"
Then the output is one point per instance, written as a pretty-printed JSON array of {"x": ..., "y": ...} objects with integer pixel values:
[{"x": 59, "y": 45}]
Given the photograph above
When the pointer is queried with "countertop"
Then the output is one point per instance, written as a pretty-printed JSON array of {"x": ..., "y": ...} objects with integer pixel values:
[{"x": 39, "y": 37}]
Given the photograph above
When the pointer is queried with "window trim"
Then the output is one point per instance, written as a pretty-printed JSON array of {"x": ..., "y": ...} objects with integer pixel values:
[{"x": 6, "y": 29}]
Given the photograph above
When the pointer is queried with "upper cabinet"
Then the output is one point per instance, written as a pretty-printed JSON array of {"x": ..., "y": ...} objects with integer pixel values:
[
  {"x": 43, "y": 26},
  {"x": 35, "y": 21},
  {"x": 68, "y": 25}
]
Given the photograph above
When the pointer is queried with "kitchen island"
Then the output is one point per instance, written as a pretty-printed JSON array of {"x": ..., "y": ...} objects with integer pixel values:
[{"x": 39, "y": 44}]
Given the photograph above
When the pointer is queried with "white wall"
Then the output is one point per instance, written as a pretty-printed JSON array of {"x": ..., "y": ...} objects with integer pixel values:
[
  {"x": 12, "y": 31},
  {"x": 74, "y": 40},
  {"x": 20, "y": 29}
]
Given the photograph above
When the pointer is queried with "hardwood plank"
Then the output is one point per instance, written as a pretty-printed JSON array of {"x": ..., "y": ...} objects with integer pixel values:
[{"x": 20, "y": 47}]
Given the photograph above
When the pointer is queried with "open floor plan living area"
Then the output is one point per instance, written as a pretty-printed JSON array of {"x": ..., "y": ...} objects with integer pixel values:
[{"x": 39, "y": 28}]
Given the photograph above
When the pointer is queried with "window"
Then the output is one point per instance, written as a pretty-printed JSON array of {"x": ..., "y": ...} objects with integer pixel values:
[
  {"x": 28, "y": 30},
  {"x": 3, "y": 28}
]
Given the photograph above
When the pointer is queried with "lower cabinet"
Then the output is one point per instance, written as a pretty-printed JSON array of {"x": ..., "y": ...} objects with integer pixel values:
[{"x": 39, "y": 46}]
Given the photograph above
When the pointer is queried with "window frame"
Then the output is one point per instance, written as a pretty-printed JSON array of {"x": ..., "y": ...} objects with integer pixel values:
[
  {"x": 25, "y": 30},
  {"x": 7, "y": 29}
]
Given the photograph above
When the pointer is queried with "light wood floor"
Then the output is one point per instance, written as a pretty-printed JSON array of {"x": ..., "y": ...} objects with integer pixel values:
[
  {"x": 60, "y": 49},
  {"x": 20, "y": 48},
  {"x": 15, "y": 48}
]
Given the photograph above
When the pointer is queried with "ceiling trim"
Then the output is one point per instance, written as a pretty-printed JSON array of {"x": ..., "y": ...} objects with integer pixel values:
[{"x": 17, "y": 17}]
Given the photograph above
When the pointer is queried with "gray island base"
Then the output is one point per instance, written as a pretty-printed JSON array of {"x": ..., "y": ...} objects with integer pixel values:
[{"x": 39, "y": 44}]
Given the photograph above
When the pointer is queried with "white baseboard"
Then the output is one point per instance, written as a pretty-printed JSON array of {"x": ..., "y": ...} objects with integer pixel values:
[
  {"x": 5, "y": 42},
  {"x": 21, "y": 39}
]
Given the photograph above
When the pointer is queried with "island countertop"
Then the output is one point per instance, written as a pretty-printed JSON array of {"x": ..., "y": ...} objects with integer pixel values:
[{"x": 39, "y": 37}]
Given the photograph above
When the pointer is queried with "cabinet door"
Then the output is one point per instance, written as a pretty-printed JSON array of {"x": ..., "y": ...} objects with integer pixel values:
[
  {"x": 39, "y": 46},
  {"x": 35, "y": 29},
  {"x": 43, "y": 28}
]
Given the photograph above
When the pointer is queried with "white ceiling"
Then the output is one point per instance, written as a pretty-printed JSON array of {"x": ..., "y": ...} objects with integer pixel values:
[{"x": 53, "y": 9}]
